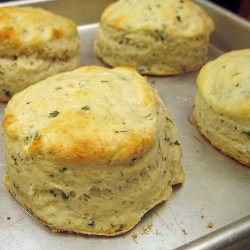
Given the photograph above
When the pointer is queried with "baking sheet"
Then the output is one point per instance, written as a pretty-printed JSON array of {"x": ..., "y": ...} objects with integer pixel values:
[{"x": 217, "y": 188}]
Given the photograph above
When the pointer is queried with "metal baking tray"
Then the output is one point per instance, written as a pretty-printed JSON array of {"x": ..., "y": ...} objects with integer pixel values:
[{"x": 211, "y": 210}]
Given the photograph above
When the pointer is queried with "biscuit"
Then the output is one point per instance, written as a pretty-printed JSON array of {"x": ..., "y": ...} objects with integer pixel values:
[
  {"x": 156, "y": 37},
  {"x": 34, "y": 44},
  {"x": 91, "y": 150},
  {"x": 222, "y": 104}
]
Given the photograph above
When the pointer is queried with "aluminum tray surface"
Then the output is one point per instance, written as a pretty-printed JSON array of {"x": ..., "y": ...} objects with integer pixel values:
[{"x": 209, "y": 211}]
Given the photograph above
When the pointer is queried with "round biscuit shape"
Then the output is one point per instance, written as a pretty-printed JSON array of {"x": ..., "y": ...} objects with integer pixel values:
[
  {"x": 155, "y": 37},
  {"x": 91, "y": 150},
  {"x": 222, "y": 104},
  {"x": 34, "y": 44}
]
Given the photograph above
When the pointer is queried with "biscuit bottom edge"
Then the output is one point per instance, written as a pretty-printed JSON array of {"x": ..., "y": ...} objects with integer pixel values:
[{"x": 123, "y": 229}]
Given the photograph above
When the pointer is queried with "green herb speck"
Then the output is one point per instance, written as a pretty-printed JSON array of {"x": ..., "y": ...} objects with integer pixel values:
[
  {"x": 65, "y": 196},
  {"x": 169, "y": 120},
  {"x": 179, "y": 19},
  {"x": 176, "y": 143},
  {"x": 86, "y": 107},
  {"x": 121, "y": 131},
  {"x": 62, "y": 169},
  {"x": 166, "y": 138},
  {"x": 245, "y": 132},
  {"x": 160, "y": 33},
  {"x": 120, "y": 228},
  {"x": 53, "y": 114},
  {"x": 36, "y": 136},
  {"x": 15, "y": 160},
  {"x": 92, "y": 224},
  {"x": 5, "y": 91},
  {"x": 52, "y": 192}
]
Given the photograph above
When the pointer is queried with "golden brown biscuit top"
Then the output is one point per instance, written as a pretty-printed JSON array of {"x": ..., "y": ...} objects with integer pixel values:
[
  {"x": 28, "y": 30},
  {"x": 180, "y": 17},
  {"x": 225, "y": 83},
  {"x": 91, "y": 115}
]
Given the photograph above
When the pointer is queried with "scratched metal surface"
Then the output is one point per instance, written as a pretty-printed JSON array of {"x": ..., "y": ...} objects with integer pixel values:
[{"x": 217, "y": 188}]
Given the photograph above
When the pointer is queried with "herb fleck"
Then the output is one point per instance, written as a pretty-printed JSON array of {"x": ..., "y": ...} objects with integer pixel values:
[
  {"x": 36, "y": 136},
  {"x": 92, "y": 224},
  {"x": 166, "y": 138},
  {"x": 63, "y": 169},
  {"x": 176, "y": 143},
  {"x": 235, "y": 74},
  {"x": 245, "y": 132},
  {"x": 53, "y": 114},
  {"x": 122, "y": 38},
  {"x": 5, "y": 91},
  {"x": 160, "y": 33},
  {"x": 121, "y": 131},
  {"x": 27, "y": 139},
  {"x": 65, "y": 196},
  {"x": 52, "y": 192},
  {"x": 120, "y": 228},
  {"x": 86, "y": 107},
  {"x": 15, "y": 160},
  {"x": 169, "y": 120},
  {"x": 179, "y": 19}
]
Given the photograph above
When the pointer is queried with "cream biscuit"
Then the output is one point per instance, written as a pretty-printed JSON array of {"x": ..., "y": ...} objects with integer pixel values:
[
  {"x": 90, "y": 151},
  {"x": 34, "y": 44},
  {"x": 156, "y": 37},
  {"x": 222, "y": 104}
]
